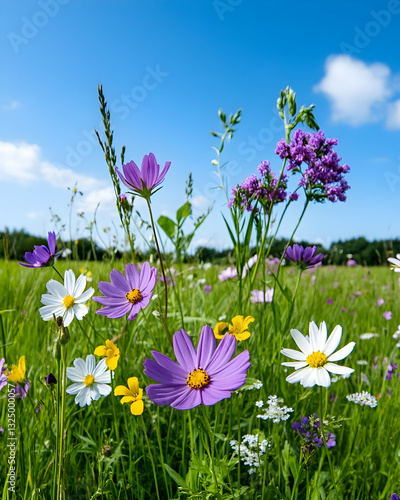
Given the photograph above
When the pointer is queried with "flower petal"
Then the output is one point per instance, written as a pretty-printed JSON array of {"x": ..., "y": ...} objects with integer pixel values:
[
  {"x": 322, "y": 377},
  {"x": 137, "y": 407},
  {"x": 342, "y": 353},
  {"x": 295, "y": 364},
  {"x": 291, "y": 353},
  {"x": 302, "y": 343},
  {"x": 314, "y": 336},
  {"x": 297, "y": 375},
  {"x": 69, "y": 281},
  {"x": 222, "y": 354},
  {"x": 184, "y": 350},
  {"x": 205, "y": 347},
  {"x": 337, "y": 369},
  {"x": 188, "y": 400},
  {"x": 211, "y": 395},
  {"x": 333, "y": 341},
  {"x": 162, "y": 394}
]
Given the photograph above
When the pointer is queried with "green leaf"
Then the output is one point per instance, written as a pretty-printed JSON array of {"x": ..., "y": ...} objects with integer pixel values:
[
  {"x": 183, "y": 212},
  {"x": 230, "y": 231},
  {"x": 167, "y": 225},
  {"x": 175, "y": 476}
]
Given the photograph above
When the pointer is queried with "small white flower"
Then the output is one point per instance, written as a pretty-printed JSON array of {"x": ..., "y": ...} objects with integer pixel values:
[
  {"x": 260, "y": 404},
  {"x": 66, "y": 301},
  {"x": 363, "y": 398},
  {"x": 395, "y": 263},
  {"x": 90, "y": 380},
  {"x": 207, "y": 266},
  {"x": 396, "y": 334},
  {"x": 275, "y": 412},
  {"x": 317, "y": 356},
  {"x": 190, "y": 277},
  {"x": 368, "y": 336},
  {"x": 362, "y": 362}
]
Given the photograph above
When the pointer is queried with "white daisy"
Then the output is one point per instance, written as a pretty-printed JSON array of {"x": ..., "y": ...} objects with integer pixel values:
[
  {"x": 67, "y": 300},
  {"x": 315, "y": 360},
  {"x": 395, "y": 263},
  {"x": 91, "y": 381}
]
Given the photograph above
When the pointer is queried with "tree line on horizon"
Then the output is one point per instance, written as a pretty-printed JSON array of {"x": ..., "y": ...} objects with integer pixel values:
[{"x": 15, "y": 243}]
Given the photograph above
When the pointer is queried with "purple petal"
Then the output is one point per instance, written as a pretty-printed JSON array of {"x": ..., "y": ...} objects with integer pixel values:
[
  {"x": 163, "y": 395},
  {"x": 188, "y": 400},
  {"x": 111, "y": 301},
  {"x": 52, "y": 242},
  {"x": 110, "y": 290},
  {"x": 232, "y": 382},
  {"x": 240, "y": 364},
  {"x": 132, "y": 275},
  {"x": 119, "y": 281},
  {"x": 211, "y": 396},
  {"x": 123, "y": 180},
  {"x": 222, "y": 355},
  {"x": 145, "y": 174},
  {"x": 206, "y": 346},
  {"x": 167, "y": 362},
  {"x": 184, "y": 350},
  {"x": 161, "y": 374},
  {"x": 134, "y": 312},
  {"x": 132, "y": 174},
  {"x": 164, "y": 172},
  {"x": 144, "y": 275},
  {"x": 113, "y": 312}
]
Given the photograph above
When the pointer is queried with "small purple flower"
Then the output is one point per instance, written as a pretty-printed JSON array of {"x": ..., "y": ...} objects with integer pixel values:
[
  {"x": 122, "y": 197},
  {"x": 41, "y": 255},
  {"x": 38, "y": 408},
  {"x": 127, "y": 294},
  {"x": 3, "y": 378},
  {"x": 394, "y": 496},
  {"x": 206, "y": 376},
  {"x": 311, "y": 432},
  {"x": 228, "y": 274},
  {"x": 142, "y": 182},
  {"x": 380, "y": 302},
  {"x": 303, "y": 257},
  {"x": 257, "y": 296},
  {"x": 387, "y": 315},
  {"x": 351, "y": 263},
  {"x": 1, "y": 430},
  {"x": 391, "y": 369},
  {"x": 169, "y": 280},
  {"x": 50, "y": 379},
  {"x": 21, "y": 392},
  {"x": 329, "y": 301},
  {"x": 207, "y": 288}
]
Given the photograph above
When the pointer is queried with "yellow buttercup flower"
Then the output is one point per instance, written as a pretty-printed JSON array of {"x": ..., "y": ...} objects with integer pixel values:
[
  {"x": 17, "y": 373},
  {"x": 133, "y": 395},
  {"x": 111, "y": 352},
  {"x": 238, "y": 328}
]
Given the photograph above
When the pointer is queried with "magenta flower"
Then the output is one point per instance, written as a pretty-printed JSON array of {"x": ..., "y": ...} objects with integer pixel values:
[
  {"x": 228, "y": 274},
  {"x": 3, "y": 378},
  {"x": 127, "y": 295},
  {"x": 206, "y": 376},
  {"x": 351, "y": 263},
  {"x": 380, "y": 302},
  {"x": 303, "y": 257},
  {"x": 329, "y": 301},
  {"x": 387, "y": 315},
  {"x": 207, "y": 288},
  {"x": 258, "y": 296},
  {"x": 41, "y": 255},
  {"x": 142, "y": 182}
]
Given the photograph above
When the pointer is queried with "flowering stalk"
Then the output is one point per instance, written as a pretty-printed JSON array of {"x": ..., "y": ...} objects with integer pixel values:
[
  {"x": 212, "y": 451},
  {"x": 162, "y": 271},
  {"x": 62, "y": 421},
  {"x": 321, "y": 419}
]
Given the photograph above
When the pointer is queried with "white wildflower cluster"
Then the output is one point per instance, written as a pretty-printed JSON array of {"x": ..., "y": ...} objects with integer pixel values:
[
  {"x": 256, "y": 385},
  {"x": 275, "y": 412},
  {"x": 363, "y": 398},
  {"x": 368, "y": 336},
  {"x": 250, "y": 450}
]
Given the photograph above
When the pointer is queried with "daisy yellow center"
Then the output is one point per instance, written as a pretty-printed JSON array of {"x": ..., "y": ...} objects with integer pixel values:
[
  {"x": 89, "y": 380},
  {"x": 316, "y": 359},
  {"x": 68, "y": 301},
  {"x": 134, "y": 296},
  {"x": 198, "y": 379}
]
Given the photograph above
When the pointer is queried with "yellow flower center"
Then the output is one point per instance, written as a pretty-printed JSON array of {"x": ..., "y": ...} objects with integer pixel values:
[
  {"x": 89, "y": 380},
  {"x": 68, "y": 301},
  {"x": 198, "y": 379},
  {"x": 316, "y": 359},
  {"x": 134, "y": 296}
]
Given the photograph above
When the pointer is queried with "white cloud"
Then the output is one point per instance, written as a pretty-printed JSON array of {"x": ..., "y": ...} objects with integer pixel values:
[
  {"x": 199, "y": 201},
  {"x": 358, "y": 91},
  {"x": 19, "y": 162},
  {"x": 11, "y": 105},
  {"x": 393, "y": 117}
]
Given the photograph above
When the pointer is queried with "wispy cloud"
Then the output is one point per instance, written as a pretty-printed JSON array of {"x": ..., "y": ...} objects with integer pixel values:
[{"x": 11, "y": 105}]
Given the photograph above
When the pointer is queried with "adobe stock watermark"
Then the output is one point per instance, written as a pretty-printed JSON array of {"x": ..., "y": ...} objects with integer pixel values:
[
  {"x": 12, "y": 439},
  {"x": 221, "y": 7},
  {"x": 30, "y": 27},
  {"x": 379, "y": 20},
  {"x": 393, "y": 178},
  {"x": 120, "y": 108}
]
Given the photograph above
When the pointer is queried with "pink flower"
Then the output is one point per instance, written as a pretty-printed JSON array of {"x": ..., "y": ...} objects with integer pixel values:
[
  {"x": 380, "y": 302},
  {"x": 387, "y": 315},
  {"x": 351, "y": 263},
  {"x": 329, "y": 301}
]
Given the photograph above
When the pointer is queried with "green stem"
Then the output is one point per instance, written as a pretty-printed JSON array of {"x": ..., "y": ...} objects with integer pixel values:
[
  {"x": 151, "y": 456},
  {"x": 57, "y": 272},
  {"x": 162, "y": 271},
  {"x": 321, "y": 419},
  {"x": 212, "y": 445},
  {"x": 62, "y": 422}
]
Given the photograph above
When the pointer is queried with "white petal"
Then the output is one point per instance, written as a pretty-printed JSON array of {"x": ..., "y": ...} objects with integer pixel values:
[
  {"x": 104, "y": 378},
  {"x": 333, "y": 341},
  {"x": 94, "y": 392},
  {"x": 104, "y": 389},
  {"x": 323, "y": 333},
  {"x": 47, "y": 312},
  {"x": 394, "y": 261},
  {"x": 295, "y": 364},
  {"x": 75, "y": 375},
  {"x": 81, "y": 366},
  {"x": 56, "y": 288},
  {"x": 69, "y": 281},
  {"x": 51, "y": 300},
  {"x": 337, "y": 369},
  {"x": 85, "y": 296},
  {"x": 90, "y": 364},
  {"x": 297, "y": 375},
  {"x": 79, "y": 286},
  {"x": 314, "y": 335},
  {"x": 322, "y": 377},
  {"x": 342, "y": 353},
  {"x": 74, "y": 388},
  {"x": 100, "y": 368},
  {"x": 68, "y": 317},
  {"x": 309, "y": 379},
  {"x": 81, "y": 397},
  {"x": 302, "y": 343},
  {"x": 80, "y": 311},
  {"x": 291, "y": 353}
]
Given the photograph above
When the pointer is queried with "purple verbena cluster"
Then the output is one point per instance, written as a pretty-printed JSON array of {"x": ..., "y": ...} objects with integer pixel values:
[
  {"x": 324, "y": 175},
  {"x": 264, "y": 189},
  {"x": 310, "y": 430}
]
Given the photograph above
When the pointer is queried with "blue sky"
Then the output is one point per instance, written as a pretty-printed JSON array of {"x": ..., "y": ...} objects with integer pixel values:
[{"x": 166, "y": 69}]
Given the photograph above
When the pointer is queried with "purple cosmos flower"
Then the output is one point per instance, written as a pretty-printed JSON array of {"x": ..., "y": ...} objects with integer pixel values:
[
  {"x": 51, "y": 379},
  {"x": 303, "y": 257},
  {"x": 257, "y": 296},
  {"x": 206, "y": 376},
  {"x": 228, "y": 274},
  {"x": 394, "y": 496},
  {"x": 41, "y": 255},
  {"x": 22, "y": 392},
  {"x": 127, "y": 295},
  {"x": 3, "y": 378},
  {"x": 142, "y": 182}
]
